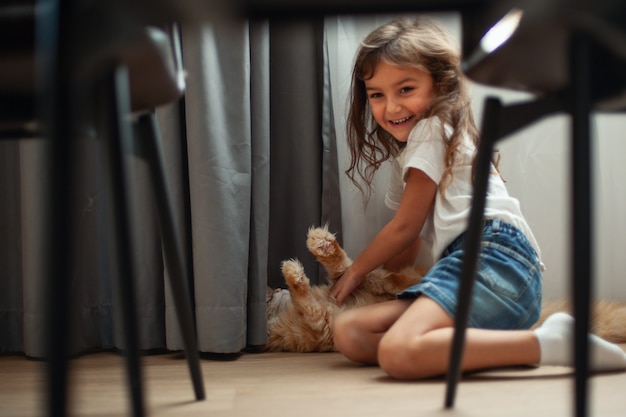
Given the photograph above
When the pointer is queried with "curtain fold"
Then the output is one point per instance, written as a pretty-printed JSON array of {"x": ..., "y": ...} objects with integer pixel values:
[
  {"x": 260, "y": 168},
  {"x": 223, "y": 193},
  {"x": 303, "y": 172}
]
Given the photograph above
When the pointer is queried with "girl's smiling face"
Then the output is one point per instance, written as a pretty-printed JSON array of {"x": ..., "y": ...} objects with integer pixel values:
[{"x": 399, "y": 97}]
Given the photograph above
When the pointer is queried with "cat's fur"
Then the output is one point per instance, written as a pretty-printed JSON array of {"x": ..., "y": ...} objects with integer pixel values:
[{"x": 300, "y": 319}]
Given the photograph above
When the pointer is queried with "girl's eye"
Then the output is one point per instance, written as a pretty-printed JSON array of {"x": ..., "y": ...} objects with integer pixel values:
[
  {"x": 406, "y": 89},
  {"x": 375, "y": 95}
]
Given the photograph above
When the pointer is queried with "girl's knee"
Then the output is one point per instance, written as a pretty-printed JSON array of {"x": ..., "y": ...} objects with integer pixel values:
[
  {"x": 349, "y": 337},
  {"x": 344, "y": 333},
  {"x": 392, "y": 355},
  {"x": 404, "y": 358},
  {"x": 340, "y": 326}
]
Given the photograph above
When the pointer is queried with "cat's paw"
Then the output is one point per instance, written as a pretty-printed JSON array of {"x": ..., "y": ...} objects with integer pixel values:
[
  {"x": 327, "y": 251},
  {"x": 321, "y": 242},
  {"x": 294, "y": 275}
]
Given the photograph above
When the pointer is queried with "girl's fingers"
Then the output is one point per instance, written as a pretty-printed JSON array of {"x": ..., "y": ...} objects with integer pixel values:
[{"x": 335, "y": 293}]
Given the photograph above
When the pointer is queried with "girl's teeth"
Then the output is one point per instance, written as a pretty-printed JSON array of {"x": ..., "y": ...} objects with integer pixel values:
[{"x": 397, "y": 122}]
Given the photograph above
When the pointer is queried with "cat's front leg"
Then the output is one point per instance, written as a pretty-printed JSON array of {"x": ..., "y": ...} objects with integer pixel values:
[
  {"x": 300, "y": 290},
  {"x": 327, "y": 251},
  {"x": 296, "y": 279}
]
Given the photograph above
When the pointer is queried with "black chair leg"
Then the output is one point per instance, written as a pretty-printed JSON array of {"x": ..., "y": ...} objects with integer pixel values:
[
  {"x": 58, "y": 241},
  {"x": 489, "y": 136},
  {"x": 498, "y": 122},
  {"x": 173, "y": 252},
  {"x": 55, "y": 101},
  {"x": 582, "y": 265},
  {"x": 58, "y": 238},
  {"x": 118, "y": 139}
]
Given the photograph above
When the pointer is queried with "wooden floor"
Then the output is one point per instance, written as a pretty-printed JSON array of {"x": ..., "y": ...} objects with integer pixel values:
[{"x": 301, "y": 385}]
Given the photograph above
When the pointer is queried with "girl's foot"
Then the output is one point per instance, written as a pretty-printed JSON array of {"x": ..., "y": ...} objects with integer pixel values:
[{"x": 556, "y": 340}]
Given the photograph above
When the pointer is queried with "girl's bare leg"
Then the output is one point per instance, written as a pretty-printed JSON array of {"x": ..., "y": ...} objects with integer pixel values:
[
  {"x": 357, "y": 332},
  {"x": 418, "y": 344},
  {"x": 412, "y": 340}
]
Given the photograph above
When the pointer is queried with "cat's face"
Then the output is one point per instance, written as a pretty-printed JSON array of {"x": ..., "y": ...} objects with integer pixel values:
[{"x": 276, "y": 300}]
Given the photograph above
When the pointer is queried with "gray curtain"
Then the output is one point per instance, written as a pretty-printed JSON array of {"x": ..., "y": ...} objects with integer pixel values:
[
  {"x": 251, "y": 158},
  {"x": 304, "y": 189},
  {"x": 228, "y": 138}
]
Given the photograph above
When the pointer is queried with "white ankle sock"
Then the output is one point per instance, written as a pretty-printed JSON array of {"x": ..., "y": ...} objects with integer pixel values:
[{"x": 556, "y": 337}]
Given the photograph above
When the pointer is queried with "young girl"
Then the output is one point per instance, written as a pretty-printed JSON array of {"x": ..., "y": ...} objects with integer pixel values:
[{"x": 409, "y": 105}]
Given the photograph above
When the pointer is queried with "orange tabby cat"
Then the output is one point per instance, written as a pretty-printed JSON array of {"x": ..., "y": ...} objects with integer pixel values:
[{"x": 300, "y": 319}]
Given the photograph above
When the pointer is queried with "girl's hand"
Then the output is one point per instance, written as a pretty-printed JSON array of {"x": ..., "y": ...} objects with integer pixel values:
[{"x": 344, "y": 286}]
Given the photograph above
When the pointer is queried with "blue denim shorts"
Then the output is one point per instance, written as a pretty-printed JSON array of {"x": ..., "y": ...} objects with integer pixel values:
[{"x": 507, "y": 290}]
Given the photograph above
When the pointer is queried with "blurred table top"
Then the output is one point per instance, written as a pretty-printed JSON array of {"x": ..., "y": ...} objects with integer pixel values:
[{"x": 298, "y": 8}]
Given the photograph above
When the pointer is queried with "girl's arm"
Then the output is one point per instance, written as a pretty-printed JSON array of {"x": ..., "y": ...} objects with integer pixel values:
[
  {"x": 398, "y": 236},
  {"x": 405, "y": 258}
]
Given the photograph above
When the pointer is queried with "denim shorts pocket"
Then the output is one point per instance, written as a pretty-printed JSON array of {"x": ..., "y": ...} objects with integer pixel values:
[{"x": 505, "y": 270}]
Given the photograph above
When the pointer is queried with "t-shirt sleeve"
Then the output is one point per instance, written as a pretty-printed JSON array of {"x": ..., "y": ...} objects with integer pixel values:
[
  {"x": 425, "y": 150},
  {"x": 396, "y": 186}
]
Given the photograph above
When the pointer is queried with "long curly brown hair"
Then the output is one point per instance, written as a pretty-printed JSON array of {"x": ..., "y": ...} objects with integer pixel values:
[{"x": 420, "y": 43}]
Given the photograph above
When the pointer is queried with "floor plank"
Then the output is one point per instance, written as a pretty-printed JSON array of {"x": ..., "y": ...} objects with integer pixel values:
[{"x": 303, "y": 385}]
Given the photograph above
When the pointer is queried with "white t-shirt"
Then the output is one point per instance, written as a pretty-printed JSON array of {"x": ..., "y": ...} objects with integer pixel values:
[{"x": 425, "y": 150}]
